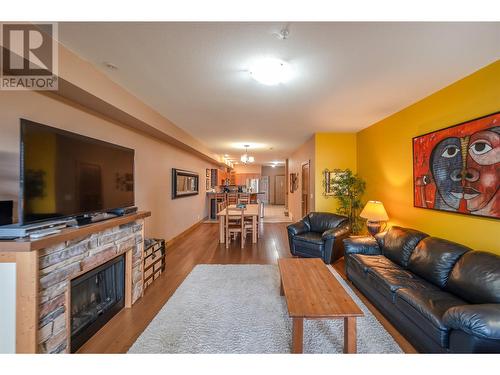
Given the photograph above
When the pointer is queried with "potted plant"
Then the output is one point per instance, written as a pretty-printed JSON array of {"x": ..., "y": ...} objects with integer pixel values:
[{"x": 347, "y": 187}]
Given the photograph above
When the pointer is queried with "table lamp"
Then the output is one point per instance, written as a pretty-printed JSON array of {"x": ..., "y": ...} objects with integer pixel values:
[{"x": 375, "y": 213}]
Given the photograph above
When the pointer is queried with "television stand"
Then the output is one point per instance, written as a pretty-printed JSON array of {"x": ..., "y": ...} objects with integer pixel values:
[{"x": 90, "y": 219}]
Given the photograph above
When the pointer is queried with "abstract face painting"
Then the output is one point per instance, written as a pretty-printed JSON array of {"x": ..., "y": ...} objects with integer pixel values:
[{"x": 458, "y": 168}]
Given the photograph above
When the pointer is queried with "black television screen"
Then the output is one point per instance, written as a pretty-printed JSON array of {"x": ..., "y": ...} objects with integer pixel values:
[{"x": 64, "y": 174}]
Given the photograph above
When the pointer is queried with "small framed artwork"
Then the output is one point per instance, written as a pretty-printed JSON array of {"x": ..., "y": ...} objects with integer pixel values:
[
  {"x": 294, "y": 182},
  {"x": 330, "y": 181},
  {"x": 457, "y": 169}
]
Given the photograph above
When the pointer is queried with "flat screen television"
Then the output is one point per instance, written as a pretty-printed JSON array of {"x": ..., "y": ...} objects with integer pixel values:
[{"x": 64, "y": 174}]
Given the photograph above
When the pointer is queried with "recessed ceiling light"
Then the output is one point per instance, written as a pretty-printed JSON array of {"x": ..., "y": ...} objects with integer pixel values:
[
  {"x": 283, "y": 34},
  {"x": 243, "y": 145},
  {"x": 271, "y": 71},
  {"x": 110, "y": 66}
]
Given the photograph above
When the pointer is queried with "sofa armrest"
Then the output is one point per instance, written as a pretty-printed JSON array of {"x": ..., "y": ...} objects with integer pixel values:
[
  {"x": 366, "y": 245},
  {"x": 334, "y": 233},
  {"x": 482, "y": 320},
  {"x": 298, "y": 228}
]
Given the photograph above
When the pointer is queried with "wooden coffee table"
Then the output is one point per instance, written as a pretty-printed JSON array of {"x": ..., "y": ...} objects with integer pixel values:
[{"x": 312, "y": 292}]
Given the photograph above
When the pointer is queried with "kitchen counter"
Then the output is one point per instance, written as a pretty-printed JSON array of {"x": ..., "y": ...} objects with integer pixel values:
[
  {"x": 212, "y": 204},
  {"x": 213, "y": 193}
]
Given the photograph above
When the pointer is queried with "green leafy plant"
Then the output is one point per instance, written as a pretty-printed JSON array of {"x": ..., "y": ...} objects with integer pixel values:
[{"x": 347, "y": 187}]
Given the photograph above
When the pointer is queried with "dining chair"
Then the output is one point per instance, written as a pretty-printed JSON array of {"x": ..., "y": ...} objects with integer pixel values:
[
  {"x": 232, "y": 198},
  {"x": 235, "y": 223},
  {"x": 221, "y": 201},
  {"x": 249, "y": 225},
  {"x": 244, "y": 198}
]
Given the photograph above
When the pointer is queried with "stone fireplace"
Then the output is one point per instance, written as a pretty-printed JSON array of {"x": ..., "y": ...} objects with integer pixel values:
[{"x": 63, "y": 269}]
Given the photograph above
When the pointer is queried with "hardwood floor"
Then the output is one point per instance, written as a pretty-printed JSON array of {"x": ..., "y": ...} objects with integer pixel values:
[{"x": 201, "y": 246}]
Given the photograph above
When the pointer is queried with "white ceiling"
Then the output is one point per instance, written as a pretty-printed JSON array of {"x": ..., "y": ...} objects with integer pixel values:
[{"x": 348, "y": 75}]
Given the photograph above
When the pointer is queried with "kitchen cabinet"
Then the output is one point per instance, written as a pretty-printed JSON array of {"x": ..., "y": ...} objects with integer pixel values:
[
  {"x": 221, "y": 177},
  {"x": 232, "y": 178}
]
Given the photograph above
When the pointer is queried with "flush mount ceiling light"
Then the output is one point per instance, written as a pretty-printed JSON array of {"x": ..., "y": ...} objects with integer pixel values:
[
  {"x": 245, "y": 158},
  {"x": 271, "y": 71}
]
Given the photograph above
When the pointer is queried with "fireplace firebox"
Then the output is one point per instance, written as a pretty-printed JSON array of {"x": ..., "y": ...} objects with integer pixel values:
[{"x": 96, "y": 297}]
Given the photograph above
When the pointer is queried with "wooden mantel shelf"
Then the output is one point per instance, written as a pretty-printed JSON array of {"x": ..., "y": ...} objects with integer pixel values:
[{"x": 27, "y": 245}]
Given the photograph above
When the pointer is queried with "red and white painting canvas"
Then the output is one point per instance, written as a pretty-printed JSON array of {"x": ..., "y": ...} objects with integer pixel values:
[{"x": 457, "y": 169}]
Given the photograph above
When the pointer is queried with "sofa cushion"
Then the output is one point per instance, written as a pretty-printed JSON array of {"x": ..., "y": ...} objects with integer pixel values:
[
  {"x": 476, "y": 277},
  {"x": 308, "y": 245},
  {"x": 434, "y": 258},
  {"x": 361, "y": 245},
  {"x": 426, "y": 307},
  {"x": 310, "y": 237},
  {"x": 370, "y": 261},
  {"x": 388, "y": 280},
  {"x": 322, "y": 221},
  {"x": 399, "y": 243}
]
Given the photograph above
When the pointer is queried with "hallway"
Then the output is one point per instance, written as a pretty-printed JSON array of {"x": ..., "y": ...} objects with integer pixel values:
[{"x": 275, "y": 214}]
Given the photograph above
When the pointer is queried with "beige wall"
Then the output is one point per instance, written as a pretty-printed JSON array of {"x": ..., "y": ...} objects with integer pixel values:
[
  {"x": 154, "y": 159},
  {"x": 304, "y": 153},
  {"x": 249, "y": 168},
  {"x": 82, "y": 82},
  {"x": 272, "y": 173}
]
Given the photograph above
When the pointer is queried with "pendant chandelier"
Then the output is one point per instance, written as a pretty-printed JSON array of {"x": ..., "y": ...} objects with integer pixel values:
[{"x": 245, "y": 158}]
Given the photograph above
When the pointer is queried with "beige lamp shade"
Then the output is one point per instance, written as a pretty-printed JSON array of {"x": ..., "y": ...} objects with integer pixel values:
[{"x": 374, "y": 211}]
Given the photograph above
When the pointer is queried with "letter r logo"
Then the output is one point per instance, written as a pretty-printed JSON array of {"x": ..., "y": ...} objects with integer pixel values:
[{"x": 27, "y": 49}]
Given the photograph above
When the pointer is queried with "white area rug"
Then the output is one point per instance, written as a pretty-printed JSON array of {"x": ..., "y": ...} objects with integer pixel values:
[{"x": 238, "y": 309}]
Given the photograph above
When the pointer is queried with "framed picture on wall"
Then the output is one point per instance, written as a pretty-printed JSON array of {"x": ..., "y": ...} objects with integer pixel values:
[
  {"x": 294, "y": 182},
  {"x": 331, "y": 181},
  {"x": 457, "y": 169},
  {"x": 184, "y": 183}
]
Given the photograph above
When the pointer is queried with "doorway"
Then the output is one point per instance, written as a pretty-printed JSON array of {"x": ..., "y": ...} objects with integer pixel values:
[
  {"x": 305, "y": 188},
  {"x": 279, "y": 189}
]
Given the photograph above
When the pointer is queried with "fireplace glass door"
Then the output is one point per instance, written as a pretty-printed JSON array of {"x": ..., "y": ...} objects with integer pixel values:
[{"x": 96, "y": 297}]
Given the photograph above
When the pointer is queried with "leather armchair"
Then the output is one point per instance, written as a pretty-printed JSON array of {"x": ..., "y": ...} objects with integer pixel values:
[{"x": 319, "y": 235}]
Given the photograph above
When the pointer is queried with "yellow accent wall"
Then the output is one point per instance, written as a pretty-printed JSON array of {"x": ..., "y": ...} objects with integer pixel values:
[
  {"x": 384, "y": 158},
  {"x": 332, "y": 150}
]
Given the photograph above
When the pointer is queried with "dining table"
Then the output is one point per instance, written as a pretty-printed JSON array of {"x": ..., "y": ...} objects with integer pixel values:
[{"x": 250, "y": 210}]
